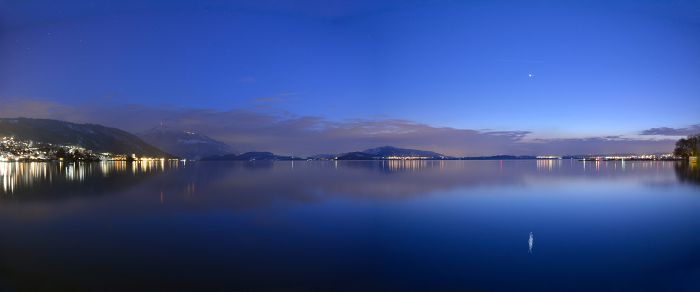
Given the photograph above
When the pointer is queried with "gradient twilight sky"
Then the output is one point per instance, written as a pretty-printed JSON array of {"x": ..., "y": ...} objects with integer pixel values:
[{"x": 535, "y": 70}]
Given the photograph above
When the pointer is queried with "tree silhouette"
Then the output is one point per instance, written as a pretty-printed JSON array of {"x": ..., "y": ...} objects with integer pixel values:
[{"x": 687, "y": 147}]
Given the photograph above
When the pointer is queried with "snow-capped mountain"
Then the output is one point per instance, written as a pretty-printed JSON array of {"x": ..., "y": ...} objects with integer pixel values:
[{"x": 186, "y": 144}]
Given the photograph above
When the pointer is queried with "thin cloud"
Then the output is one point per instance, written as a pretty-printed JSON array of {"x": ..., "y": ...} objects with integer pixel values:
[
  {"x": 666, "y": 131},
  {"x": 599, "y": 145},
  {"x": 286, "y": 133}
]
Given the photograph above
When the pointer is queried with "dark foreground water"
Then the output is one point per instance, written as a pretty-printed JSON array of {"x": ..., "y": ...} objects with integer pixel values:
[{"x": 429, "y": 225}]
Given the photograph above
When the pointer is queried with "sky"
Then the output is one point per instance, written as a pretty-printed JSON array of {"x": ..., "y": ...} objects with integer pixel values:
[{"x": 308, "y": 77}]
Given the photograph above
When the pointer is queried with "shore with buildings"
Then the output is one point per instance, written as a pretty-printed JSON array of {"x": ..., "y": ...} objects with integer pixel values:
[{"x": 12, "y": 149}]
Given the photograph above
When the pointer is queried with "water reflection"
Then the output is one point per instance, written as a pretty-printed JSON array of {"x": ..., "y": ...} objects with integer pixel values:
[
  {"x": 26, "y": 174},
  {"x": 37, "y": 179},
  {"x": 243, "y": 186},
  {"x": 374, "y": 225},
  {"x": 548, "y": 164},
  {"x": 394, "y": 166},
  {"x": 688, "y": 172},
  {"x": 309, "y": 180}
]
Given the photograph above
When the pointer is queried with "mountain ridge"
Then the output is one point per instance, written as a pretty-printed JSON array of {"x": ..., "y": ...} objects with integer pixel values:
[
  {"x": 94, "y": 137},
  {"x": 185, "y": 144}
]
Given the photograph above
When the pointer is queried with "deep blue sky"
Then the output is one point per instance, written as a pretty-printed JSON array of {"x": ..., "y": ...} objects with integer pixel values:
[{"x": 573, "y": 69}]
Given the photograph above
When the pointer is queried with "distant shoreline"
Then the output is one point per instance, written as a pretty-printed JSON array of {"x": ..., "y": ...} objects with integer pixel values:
[{"x": 361, "y": 160}]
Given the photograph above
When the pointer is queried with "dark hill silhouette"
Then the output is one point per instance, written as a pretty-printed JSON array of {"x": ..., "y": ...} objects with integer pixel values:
[{"x": 93, "y": 137}]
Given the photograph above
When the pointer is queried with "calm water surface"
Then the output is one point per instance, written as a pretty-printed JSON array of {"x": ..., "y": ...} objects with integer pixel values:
[{"x": 427, "y": 225}]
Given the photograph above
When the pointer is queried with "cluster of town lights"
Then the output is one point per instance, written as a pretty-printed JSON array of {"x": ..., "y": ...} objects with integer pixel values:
[{"x": 12, "y": 149}]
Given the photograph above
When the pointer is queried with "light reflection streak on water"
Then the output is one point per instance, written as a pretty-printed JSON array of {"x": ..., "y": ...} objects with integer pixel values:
[
  {"x": 621, "y": 165},
  {"x": 15, "y": 174},
  {"x": 548, "y": 164},
  {"x": 407, "y": 165},
  {"x": 26, "y": 174}
]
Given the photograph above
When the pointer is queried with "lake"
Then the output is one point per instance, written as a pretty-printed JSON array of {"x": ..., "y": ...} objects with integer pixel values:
[{"x": 350, "y": 225}]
